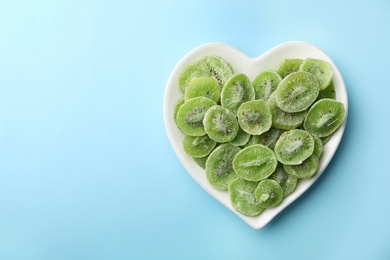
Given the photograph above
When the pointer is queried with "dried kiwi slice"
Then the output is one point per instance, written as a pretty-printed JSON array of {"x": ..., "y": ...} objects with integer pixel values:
[
  {"x": 320, "y": 69},
  {"x": 254, "y": 117},
  {"x": 307, "y": 169},
  {"x": 265, "y": 83},
  {"x": 325, "y": 139},
  {"x": 324, "y": 117},
  {"x": 282, "y": 119},
  {"x": 268, "y": 193},
  {"x": 317, "y": 146},
  {"x": 201, "y": 162},
  {"x": 219, "y": 168},
  {"x": 198, "y": 146},
  {"x": 190, "y": 115},
  {"x": 294, "y": 146},
  {"x": 203, "y": 87},
  {"x": 192, "y": 71},
  {"x": 218, "y": 68},
  {"x": 242, "y": 196},
  {"x": 288, "y": 66},
  {"x": 178, "y": 104},
  {"x": 220, "y": 124},
  {"x": 297, "y": 92},
  {"x": 255, "y": 162},
  {"x": 241, "y": 139},
  {"x": 268, "y": 138},
  {"x": 237, "y": 90},
  {"x": 328, "y": 92},
  {"x": 285, "y": 180}
]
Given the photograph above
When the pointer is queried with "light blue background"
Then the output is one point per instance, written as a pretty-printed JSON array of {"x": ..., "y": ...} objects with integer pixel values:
[{"x": 86, "y": 168}]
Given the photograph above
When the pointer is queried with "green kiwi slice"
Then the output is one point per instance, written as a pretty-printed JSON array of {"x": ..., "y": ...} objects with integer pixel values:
[
  {"x": 190, "y": 115},
  {"x": 294, "y": 146},
  {"x": 320, "y": 69},
  {"x": 324, "y": 117},
  {"x": 254, "y": 117},
  {"x": 265, "y": 83},
  {"x": 328, "y": 92},
  {"x": 317, "y": 146},
  {"x": 201, "y": 162},
  {"x": 237, "y": 90},
  {"x": 325, "y": 139},
  {"x": 268, "y": 138},
  {"x": 255, "y": 162},
  {"x": 282, "y": 119},
  {"x": 268, "y": 193},
  {"x": 192, "y": 71},
  {"x": 220, "y": 124},
  {"x": 219, "y": 168},
  {"x": 203, "y": 87},
  {"x": 198, "y": 146},
  {"x": 297, "y": 92},
  {"x": 285, "y": 180},
  {"x": 218, "y": 68},
  {"x": 307, "y": 169},
  {"x": 241, "y": 139},
  {"x": 178, "y": 104},
  {"x": 288, "y": 66},
  {"x": 242, "y": 196}
]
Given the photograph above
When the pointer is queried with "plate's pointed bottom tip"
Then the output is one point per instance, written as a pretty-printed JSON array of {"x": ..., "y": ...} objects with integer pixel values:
[
  {"x": 260, "y": 222},
  {"x": 257, "y": 227}
]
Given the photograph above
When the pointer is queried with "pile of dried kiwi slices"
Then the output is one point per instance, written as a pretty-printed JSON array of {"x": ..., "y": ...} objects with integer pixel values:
[{"x": 257, "y": 139}]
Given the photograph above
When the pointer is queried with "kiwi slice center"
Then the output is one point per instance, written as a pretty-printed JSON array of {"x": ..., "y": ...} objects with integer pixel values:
[
  {"x": 317, "y": 71},
  {"x": 238, "y": 92},
  {"x": 297, "y": 91},
  {"x": 326, "y": 119},
  {"x": 221, "y": 123},
  {"x": 223, "y": 169},
  {"x": 198, "y": 140},
  {"x": 216, "y": 75},
  {"x": 271, "y": 193},
  {"x": 264, "y": 197},
  {"x": 195, "y": 117},
  {"x": 295, "y": 145},
  {"x": 257, "y": 162},
  {"x": 287, "y": 114},
  {"x": 268, "y": 86},
  {"x": 253, "y": 116},
  {"x": 248, "y": 196}
]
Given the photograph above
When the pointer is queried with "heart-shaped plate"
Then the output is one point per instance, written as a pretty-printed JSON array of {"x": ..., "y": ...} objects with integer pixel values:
[{"x": 241, "y": 63}]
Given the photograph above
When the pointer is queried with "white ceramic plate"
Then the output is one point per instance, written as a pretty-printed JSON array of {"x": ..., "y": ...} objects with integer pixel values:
[{"x": 241, "y": 63}]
